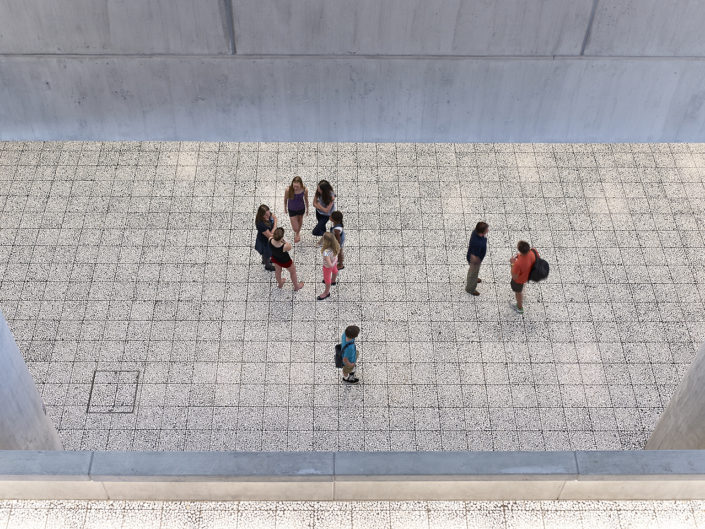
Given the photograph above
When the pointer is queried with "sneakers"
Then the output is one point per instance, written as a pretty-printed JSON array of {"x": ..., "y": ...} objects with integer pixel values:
[
  {"x": 516, "y": 308},
  {"x": 269, "y": 267},
  {"x": 351, "y": 380}
]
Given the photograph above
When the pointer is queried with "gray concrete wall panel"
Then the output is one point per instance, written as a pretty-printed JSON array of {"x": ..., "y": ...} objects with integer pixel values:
[
  {"x": 682, "y": 423},
  {"x": 296, "y": 466},
  {"x": 108, "y": 26},
  {"x": 648, "y": 28},
  {"x": 662, "y": 475},
  {"x": 411, "y": 27},
  {"x": 352, "y": 99},
  {"x": 23, "y": 423}
]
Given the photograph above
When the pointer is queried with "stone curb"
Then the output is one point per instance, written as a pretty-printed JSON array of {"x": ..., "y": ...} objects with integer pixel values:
[{"x": 350, "y": 476}]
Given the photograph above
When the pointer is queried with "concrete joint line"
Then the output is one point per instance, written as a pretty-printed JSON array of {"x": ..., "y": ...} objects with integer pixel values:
[
  {"x": 588, "y": 30},
  {"x": 230, "y": 24},
  {"x": 346, "y": 57}
]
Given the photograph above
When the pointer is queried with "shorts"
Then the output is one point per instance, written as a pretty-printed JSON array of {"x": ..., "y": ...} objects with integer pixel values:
[
  {"x": 328, "y": 274},
  {"x": 516, "y": 287},
  {"x": 296, "y": 213},
  {"x": 283, "y": 265}
]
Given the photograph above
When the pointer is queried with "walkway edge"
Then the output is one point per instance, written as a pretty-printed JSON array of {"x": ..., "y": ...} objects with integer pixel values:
[{"x": 344, "y": 476}]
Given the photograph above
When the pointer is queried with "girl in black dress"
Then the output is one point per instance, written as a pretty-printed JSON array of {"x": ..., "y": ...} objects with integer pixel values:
[{"x": 281, "y": 259}]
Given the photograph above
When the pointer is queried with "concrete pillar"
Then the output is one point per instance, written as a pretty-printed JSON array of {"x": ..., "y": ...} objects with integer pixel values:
[
  {"x": 23, "y": 423},
  {"x": 682, "y": 424}
]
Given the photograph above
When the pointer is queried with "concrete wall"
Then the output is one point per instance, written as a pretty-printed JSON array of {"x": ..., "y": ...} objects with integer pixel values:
[
  {"x": 412, "y": 27},
  {"x": 682, "y": 423},
  {"x": 346, "y": 476},
  {"x": 115, "y": 26},
  {"x": 23, "y": 423},
  {"x": 372, "y": 70}
]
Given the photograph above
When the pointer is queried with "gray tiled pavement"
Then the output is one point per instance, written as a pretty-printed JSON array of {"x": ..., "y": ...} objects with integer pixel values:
[
  {"x": 128, "y": 277},
  {"x": 358, "y": 515}
]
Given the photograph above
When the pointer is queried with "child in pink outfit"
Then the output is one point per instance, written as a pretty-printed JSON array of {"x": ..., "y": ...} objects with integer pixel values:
[{"x": 330, "y": 249}]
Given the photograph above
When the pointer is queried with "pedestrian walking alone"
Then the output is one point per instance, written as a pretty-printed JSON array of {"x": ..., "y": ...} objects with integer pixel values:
[
  {"x": 265, "y": 223},
  {"x": 347, "y": 345},
  {"x": 296, "y": 205},
  {"x": 281, "y": 259},
  {"x": 521, "y": 263},
  {"x": 476, "y": 253},
  {"x": 324, "y": 202}
]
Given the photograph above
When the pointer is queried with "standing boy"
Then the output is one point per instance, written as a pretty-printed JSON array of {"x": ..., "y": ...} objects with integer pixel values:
[
  {"x": 476, "y": 253},
  {"x": 347, "y": 345},
  {"x": 521, "y": 268}
]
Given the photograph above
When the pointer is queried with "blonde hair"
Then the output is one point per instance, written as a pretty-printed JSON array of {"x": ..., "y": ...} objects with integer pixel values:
[
  {"x": 290, "y": 189},
  {"x": 330, "y": 243}
]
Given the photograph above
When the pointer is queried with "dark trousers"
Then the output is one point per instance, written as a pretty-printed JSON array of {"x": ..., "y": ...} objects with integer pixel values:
[{"x": 320, "y": 228}]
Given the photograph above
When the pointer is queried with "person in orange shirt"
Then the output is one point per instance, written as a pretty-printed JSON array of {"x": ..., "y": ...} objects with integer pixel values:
[{"x": 522, "y": 263}]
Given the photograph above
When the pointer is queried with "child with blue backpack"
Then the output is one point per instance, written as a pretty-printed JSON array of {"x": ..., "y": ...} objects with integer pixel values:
[{"x": 347, "y": 346}]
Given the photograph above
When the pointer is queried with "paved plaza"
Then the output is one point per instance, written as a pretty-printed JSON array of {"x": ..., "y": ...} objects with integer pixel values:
[
  {"x": 358, "y": 515},
  {"x": 129, "y": 279}
]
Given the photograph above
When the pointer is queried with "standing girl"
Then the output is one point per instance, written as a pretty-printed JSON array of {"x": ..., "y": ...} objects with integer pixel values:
[
  {"x": 330, "y": 249},
  {"x": 265, "y": 223},
  {"x": 296, "y": 204},
  {"x": 339, "y": 233},
  {"x": 281, "y": 259},
  {"x": 324, "y": 202}
]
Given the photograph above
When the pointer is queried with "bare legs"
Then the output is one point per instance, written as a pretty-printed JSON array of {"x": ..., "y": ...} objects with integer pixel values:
[
  {"x": 520, "y": 300},
  {"x": 292, "y": 273},
  {"x": 278, "y": 275},
  {"x": 294, "y": 279},
  {"x": 296, "y": 223}
]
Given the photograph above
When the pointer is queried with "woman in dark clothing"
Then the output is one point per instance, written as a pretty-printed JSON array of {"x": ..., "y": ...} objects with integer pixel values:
[
  {"x": 281, "y": 259},
  {"x": 324, "y": 202},
  {"x": 265, "y": 223},
  {"x": 476, "y": 253}
]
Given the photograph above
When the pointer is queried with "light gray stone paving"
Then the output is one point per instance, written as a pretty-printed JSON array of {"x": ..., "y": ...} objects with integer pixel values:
[
  {"x": 343, "y": 515},
  {"x": 132, "y": 264}
]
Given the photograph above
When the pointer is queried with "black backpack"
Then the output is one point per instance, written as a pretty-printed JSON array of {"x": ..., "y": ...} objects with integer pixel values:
[
  {"x": 540, "y": 270},
  {"x": 339, "y": 355}
]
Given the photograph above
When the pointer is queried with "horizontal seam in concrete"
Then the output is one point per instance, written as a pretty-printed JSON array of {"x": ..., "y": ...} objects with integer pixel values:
[{"x": 344, "y": 56}]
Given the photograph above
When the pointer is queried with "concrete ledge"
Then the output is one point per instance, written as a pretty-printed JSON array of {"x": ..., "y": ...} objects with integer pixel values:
[
  {"x": 662, "y": 475},
  {"x": 455, "y": 466},
  {"x": 212, "y": 466}
]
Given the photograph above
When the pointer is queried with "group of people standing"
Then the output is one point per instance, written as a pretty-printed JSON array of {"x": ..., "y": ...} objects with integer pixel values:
[
  {"x": 521, "y": 265},
  {"x": 274, "y": 249}
]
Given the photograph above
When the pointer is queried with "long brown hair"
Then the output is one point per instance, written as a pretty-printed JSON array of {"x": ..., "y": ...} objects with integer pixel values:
[
  {"x": 261, "y": 211},
  {"x": 326, "y": 194},
  {"x": 290, "y": 190}
]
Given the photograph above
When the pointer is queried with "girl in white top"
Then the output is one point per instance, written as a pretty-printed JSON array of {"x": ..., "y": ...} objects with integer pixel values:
[{"x": 330, "y": 249}]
